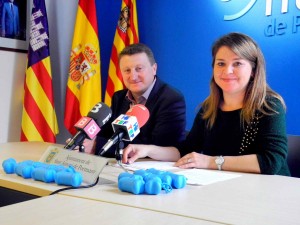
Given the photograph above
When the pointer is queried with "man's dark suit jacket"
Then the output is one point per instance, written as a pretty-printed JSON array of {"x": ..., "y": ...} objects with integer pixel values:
[{"x": 166, "y": 124}]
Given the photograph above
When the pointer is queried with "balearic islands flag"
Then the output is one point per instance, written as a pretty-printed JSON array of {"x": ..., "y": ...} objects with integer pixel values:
[
  {"x": 39, "y": 121},
  {"x": 84, "y": 82},
  {"x": 126, "y": 34}
]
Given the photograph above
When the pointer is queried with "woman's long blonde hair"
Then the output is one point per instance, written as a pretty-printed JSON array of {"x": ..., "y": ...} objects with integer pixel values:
[{"x": 257, "y": 90}]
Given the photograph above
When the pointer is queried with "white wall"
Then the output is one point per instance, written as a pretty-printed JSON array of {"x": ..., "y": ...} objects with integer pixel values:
[
  {"x": 11, "y": 85},
  {"x": 61, "y": 18}
]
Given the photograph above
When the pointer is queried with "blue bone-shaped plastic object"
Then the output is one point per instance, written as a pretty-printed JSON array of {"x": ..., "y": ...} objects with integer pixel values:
[
  {"x": 150, "y": 181},
  {"x": 43, "y": 172}
]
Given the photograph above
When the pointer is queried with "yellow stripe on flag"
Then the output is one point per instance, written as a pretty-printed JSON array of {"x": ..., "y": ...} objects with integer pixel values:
[
  {"x": 30, "y": 132},
  {"x": 113, "y": 71},
  {"x": 41, "y": 99}
]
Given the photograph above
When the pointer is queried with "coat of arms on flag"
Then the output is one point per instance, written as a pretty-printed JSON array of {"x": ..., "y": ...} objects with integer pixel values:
[{"x": 82, "y": 64}]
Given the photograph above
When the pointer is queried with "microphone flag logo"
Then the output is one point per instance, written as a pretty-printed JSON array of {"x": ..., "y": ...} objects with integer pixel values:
[
  {"x": 89, "y": 126},
  {"x": 128, "y": 123}
]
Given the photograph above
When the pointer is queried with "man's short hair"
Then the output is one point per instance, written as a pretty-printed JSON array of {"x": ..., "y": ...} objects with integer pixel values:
[{"x": 138, "y": 48}]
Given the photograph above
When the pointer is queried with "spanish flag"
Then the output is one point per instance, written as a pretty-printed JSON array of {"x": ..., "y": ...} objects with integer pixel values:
[
  {"x": 39, "y": 121},
  {"x": 84, "y": 82},
  {"x": 126, "y": 34}
]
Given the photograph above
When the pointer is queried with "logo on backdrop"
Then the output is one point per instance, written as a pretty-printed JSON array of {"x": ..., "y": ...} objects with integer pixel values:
[
  {"x": 241, "y": 12},
  {"x": 276, "y": 26}
]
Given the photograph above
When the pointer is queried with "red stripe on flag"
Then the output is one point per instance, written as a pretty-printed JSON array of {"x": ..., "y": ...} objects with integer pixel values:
[
  {"x": 72, "y": 112},
  {"x": 37, "y": 117},
  {"x": 23, "y": 137},
  {"x": 119, "y": 74},
  {"x": 114, "y": 56},
  {"x": 116, "y": 62},
  {"x": 89, "y": 9},
  {"x": 110, "y": 89},
  {"x": 132, "y": 27},
  {"x": 127, "y": 2},
  {"x": 115, "y": 59},
  {"x": 45, "y": 80},
  {"x": 124, "y": 37},
  {"x": 110, "y": 83}
]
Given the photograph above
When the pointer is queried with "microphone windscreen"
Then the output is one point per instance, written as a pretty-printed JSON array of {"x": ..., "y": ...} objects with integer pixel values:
[
  {"x": 140, "y": 112},
  {"x": 101, "y": 113}
]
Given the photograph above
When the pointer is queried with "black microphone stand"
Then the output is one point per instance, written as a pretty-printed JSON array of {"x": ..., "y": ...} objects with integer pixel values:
[
  {"x": 119, "y": 153},
  {"x": 81, "y": 147},
  {"x": 77, "y": 140}
]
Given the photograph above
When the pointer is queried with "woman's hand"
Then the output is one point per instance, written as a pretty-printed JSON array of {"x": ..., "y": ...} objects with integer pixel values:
[{"x": 195, "y": 160}]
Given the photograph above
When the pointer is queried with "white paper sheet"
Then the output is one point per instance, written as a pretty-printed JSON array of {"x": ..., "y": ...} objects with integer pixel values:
[
  {"x": 194, "y": 176},
  {"x": 204, "y": 177}
]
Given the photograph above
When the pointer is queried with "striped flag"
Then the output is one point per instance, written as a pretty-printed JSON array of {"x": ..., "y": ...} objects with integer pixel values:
[
  {"x": 84, "y": 82},
  {"x": 39, "y": 121},
  {"x": 126, "y": 34}
]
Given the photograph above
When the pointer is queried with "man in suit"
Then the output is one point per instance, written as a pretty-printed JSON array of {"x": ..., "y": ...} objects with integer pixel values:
[
  {"x": 10, "y": 20},
  {"x": 167, "y": 121}
]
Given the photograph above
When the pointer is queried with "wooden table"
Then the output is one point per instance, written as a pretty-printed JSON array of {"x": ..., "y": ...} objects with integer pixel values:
[{"x": 248, "y": 199}]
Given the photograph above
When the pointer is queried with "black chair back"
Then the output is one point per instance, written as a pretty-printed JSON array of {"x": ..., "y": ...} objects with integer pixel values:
[{"x": 294, "y": 155}]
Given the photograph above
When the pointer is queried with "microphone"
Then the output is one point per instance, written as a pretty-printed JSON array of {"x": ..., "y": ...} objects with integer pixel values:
[
  {"x": 89, "y": 126},
  {"x": 127, "y": 127}
]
